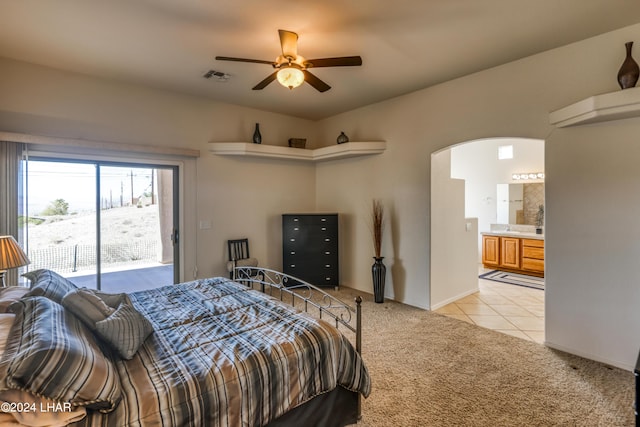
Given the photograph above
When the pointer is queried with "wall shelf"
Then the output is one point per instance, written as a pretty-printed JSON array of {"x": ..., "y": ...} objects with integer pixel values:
[
  {"x": 622, "y": 104},
  {"x": 332, "y": 152}
]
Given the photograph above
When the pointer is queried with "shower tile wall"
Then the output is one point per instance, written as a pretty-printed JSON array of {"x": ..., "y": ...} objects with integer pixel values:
[{"x": 533, "y": 196}]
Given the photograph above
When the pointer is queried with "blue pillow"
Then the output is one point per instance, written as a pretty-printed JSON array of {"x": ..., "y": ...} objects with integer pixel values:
[
  {"x": 50, "y": 353},
  {"x": 125, "y": 330},
  {"x": 49, "y": 284}
]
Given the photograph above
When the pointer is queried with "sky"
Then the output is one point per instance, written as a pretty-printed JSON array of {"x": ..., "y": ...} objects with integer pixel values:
[{"x": 76, "y": 184}]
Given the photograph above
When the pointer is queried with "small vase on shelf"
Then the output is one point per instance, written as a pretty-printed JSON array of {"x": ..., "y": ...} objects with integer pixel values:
[
  {"x": 257, "y": 138},
  {"x": 342, "y": 138},
  {"x": 629, "y": 71}
]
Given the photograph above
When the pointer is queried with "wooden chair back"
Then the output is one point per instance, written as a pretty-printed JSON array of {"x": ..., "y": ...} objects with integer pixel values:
[{"x": 238, "y": 249}]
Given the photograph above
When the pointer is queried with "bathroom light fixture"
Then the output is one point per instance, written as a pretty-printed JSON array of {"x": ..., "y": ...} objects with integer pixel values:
[
  {"x": 11, "y": 256},
  {"x": 290, "y": 77},
  {"x": 527, "y": 175}
]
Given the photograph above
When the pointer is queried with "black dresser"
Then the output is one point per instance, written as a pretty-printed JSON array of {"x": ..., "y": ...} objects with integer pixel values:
[{"x": 310, "y": 248}]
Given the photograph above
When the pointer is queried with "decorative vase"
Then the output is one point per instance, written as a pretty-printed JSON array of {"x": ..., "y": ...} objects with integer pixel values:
[
  {"x": 629, "y": 71},
  {"x": 378, "y": 272},
  {"x": 342, "y": 138},
  {"x": 257, "y": 138}
]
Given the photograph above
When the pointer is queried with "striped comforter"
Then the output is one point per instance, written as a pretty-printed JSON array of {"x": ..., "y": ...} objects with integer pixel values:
[{"x": 224, "y": 355}]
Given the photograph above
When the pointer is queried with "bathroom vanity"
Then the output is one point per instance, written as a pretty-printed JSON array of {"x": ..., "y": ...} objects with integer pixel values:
[{"x": 516, "y": 251}]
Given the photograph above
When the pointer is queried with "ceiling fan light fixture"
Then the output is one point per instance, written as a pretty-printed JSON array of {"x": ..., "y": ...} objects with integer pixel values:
[
  {"x": 291, "y": 69},
  {"x": 290, "y": 77}
]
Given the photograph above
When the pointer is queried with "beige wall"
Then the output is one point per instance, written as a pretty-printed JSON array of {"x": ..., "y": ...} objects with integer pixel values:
[
  {"x": 245, "y": 197},
  {"x": 238, "y": 196},
  {"x": 512, "y": 100},
  {"x": 593, "y": 241}
]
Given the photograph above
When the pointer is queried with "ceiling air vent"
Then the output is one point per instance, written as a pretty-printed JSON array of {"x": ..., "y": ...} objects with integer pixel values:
[{"x": 216, "y": 75}]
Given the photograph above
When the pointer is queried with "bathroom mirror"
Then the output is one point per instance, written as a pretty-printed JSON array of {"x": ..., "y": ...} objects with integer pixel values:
[{"x": 519, "y": 203}]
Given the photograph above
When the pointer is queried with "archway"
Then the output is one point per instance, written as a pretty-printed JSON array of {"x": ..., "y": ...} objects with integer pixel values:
[{"x": 464, "y": 204}]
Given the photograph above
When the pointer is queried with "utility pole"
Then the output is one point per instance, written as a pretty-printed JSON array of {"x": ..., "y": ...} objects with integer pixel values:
[
  {"x": 132, "y": 187},
  {"x": 153, "y": 196}
]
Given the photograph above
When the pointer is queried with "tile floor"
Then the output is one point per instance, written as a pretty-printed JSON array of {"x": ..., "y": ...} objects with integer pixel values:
[{"x": 510, "y": 309}]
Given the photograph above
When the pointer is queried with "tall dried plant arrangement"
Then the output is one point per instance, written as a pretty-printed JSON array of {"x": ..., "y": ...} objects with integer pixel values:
[{"x": 377, "y": 226}]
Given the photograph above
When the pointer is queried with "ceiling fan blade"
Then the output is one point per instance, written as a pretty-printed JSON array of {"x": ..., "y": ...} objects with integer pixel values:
[
  {"x": 257, "y": 61},
  {"x": 266, "y": 81},
  {"x": 289, "y": 43},
  {"x": 343, "y": 61},
  {"x": 318, "y": 84}
]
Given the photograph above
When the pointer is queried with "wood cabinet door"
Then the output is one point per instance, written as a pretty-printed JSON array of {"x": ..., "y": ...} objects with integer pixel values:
[
  {"x": 491, "y": 250},
  {"x": 510, "y": 252}
]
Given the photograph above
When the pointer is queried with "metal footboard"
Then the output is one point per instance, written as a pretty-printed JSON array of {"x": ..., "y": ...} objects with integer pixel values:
[{"x": 305, "y": 296}]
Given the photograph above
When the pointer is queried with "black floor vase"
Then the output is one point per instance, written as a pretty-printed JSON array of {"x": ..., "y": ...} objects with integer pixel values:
[{"x": 378, "y": 272}]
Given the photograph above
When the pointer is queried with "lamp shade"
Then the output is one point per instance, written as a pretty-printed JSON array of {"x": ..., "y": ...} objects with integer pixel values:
[
  {"x": 11, "y": 254},
  {"x": 290, "y": 77}
]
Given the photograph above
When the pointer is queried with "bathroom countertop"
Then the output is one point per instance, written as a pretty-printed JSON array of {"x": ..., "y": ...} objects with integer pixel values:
[{"x": 511, "y": 233}]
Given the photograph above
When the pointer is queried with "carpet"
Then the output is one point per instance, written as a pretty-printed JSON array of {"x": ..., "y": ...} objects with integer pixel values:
[
  {"x": 431, "y": 370},
  {"x": 514, "y": 279}
]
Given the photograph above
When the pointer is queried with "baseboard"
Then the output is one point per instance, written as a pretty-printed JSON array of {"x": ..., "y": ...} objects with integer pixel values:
[
  {"x": 455, "y": 298},
  {"x": 614, "y": 363}
]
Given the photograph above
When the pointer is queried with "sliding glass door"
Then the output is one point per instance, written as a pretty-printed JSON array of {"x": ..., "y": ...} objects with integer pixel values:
[
  {"x": 109, "y": 226},
  {"x": 60, "y": 217}
]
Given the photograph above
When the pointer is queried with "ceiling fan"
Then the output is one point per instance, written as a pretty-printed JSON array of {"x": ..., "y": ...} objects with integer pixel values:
[{"x": 293, "y": 69}]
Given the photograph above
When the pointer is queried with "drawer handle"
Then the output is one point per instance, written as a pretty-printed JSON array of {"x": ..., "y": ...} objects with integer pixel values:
[
  {"x": 292, "y": 252},
  {"x": 323, "y": 219},
  {"x": 327, "y": 240},
  {"x": 327, "y": 253},
  {"x": 296, "y": 228},
  {"x": 327, "y": 278},
  {"x": 324, "y": 229},
  {"x": 293, "y": 240},
  {"x": 327, "y": 265},
  {"x": 295, "y": 219},
  {"x": 292, "y": 266}
]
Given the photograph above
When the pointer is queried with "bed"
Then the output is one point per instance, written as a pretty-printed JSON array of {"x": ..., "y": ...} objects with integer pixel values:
[{"x": 211, "y": 352}]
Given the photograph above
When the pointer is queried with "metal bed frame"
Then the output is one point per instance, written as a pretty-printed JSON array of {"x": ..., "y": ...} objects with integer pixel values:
[{"x": 308, "y": 298}]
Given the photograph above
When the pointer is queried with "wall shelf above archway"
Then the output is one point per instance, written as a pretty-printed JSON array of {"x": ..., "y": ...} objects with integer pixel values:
[{"x": 622, "y": 104}]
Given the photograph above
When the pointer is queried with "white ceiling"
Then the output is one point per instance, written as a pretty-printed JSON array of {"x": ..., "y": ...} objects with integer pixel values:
[{"x": 405, "y": 44}]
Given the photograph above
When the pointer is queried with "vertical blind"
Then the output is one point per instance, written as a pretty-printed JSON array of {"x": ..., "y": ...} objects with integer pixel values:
[{"x": 10, "y": 195}]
